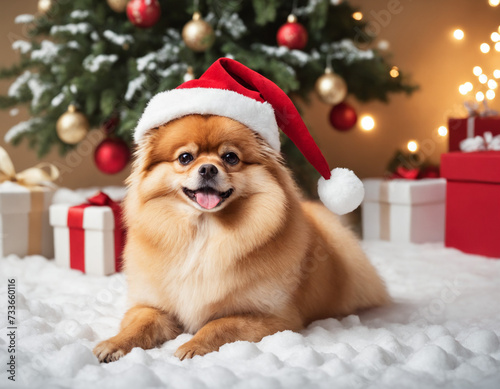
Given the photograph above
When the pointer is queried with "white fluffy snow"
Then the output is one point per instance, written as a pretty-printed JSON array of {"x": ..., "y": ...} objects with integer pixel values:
[
  {"x": 442, "y": 331},
  {"x": 20, "y": 128}
]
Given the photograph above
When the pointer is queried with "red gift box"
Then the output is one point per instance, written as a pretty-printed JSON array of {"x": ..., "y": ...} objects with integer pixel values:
[
  {"x": 473, "y": 201},
  {"x": 89, "y": 237},
  {"x": 460, "y": 129}
]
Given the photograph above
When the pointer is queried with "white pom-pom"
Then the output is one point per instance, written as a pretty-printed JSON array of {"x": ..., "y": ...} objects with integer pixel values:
[{"x": 342, "y": 193}]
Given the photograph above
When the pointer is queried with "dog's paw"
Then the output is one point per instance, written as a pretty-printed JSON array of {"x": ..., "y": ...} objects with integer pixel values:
[
  {"x": 109, "y": 351},
  {"x": 190, "y": 349}
]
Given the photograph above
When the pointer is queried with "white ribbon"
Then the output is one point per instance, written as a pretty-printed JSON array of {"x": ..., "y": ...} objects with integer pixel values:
[{"x": 481, "y": 143}]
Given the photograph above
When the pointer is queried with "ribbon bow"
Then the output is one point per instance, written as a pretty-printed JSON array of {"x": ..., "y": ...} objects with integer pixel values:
[
  {"x": 30, "y": 177},
  {"x": 481, "y": 143}
]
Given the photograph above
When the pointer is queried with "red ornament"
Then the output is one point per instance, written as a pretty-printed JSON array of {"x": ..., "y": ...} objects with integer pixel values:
[
  {"x": 292, "y": 34},
  {"x": 143, "y": 13},
  {"x": 112, "y": 155},
  {"x": 343, "y": 117}
]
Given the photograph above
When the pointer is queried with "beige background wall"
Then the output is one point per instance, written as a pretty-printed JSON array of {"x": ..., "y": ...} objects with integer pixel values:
[{"x": 420, "y": 38}]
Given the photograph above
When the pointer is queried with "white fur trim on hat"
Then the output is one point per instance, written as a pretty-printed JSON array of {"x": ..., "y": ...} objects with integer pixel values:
[
  {"x": 342, "y": 193},
  {"x": 176, "y": 103}
]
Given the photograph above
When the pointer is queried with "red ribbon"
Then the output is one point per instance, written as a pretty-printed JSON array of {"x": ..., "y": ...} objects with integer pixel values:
[
  {"x": 77, "y": 233},
  {"x": 415, "y": 174}
]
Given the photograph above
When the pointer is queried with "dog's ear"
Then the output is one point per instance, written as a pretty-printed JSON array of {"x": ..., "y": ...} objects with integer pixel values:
[{"x": 143, "y": 155}]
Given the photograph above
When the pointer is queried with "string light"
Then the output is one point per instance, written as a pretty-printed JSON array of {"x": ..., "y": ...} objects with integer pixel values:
[
  {"x": 490, "y": 94},
  {"x": 367, "y": 123},
  {"x": 492, "y": 84},
  {"x": 412, "y": 146},
  {"x": 442, "y": 131},
  {"x": 483, "y": 78},
  {"x": 485, "y": 48},
  {"x": 477, "y": 70},
  {"x": 469, "y": 86},
  {"x": 494, "y": 3},
  {"x": 495, "y": 36},
  {"x": 458, "y": 34},
  {"x": 479, "y": 96},
  {"x": 497, "y": 46},
  {"x": 496, "y": 73},
  {"x": 394, "y": 72},
  {"x": 463, "y": 89},
  {"x": 357, "y": 15}
]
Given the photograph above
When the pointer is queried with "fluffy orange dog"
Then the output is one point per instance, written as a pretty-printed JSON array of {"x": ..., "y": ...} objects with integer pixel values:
[{"x": 221, "y": 245}]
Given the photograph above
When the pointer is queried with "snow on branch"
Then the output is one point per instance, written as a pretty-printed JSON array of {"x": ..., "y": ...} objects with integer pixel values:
[
  {"x": 94, "y": 63},
  {"x": 296, "y": 57},
  {"x": 72, "y": 28},
  {"x": 24, "y": 19},
  {"x": 47, "y": 52},
  {"x": 346, "y": 50},
  {"x": 20, "y": 81},
  {"x": 134, "y": 86},
  {"x": 22, "y": 46},
  {"x": 168, "y": 52},
  {"x": 79, "y": 14},
  {"x": 20, "y": 128},
  {"x": 118, "y": 39}
]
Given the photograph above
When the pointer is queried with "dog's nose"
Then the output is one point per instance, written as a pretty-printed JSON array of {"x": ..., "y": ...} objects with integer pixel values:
[{"x": 208, "y": 171}]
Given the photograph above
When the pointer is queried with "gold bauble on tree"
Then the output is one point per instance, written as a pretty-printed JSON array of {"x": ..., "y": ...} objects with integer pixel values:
[
  {"x": 331, "y": 88},
  {"x": 117, "y": 5},
  {"x": 72, "y": 126},
  {"x": 197, "y": 34},
  {"x": 44, "y": 6}
]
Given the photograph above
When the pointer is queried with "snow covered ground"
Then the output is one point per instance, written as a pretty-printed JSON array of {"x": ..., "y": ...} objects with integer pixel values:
[{"x": 442, "y": 331}]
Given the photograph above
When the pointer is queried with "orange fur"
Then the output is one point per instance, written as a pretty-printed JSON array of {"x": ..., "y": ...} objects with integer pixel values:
[{"x": 262, "y": 261}]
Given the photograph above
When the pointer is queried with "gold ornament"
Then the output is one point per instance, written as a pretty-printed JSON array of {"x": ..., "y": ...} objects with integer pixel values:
[
  {"x": 331, "y": 88},
  {"x": 197, "y": 34},
  {"x": 118, "y": 5},
  {"x": 44, "y": 6},
  {"x": 72, "y": 126},
  {"x": 189, "y": 74}
]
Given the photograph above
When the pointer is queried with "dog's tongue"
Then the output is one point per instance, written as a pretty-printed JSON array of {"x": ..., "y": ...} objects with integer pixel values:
[{"x": 207, "y": 200}]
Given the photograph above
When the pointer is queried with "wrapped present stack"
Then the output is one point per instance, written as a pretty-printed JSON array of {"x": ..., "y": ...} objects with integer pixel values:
[
  {"x": 24, "y": 205},
  {"x": 406, "y": 206},
  {"x": 473, "y": 194},
  {"x": 403, "y": 210},
  {"x": 89, "y": 237}
]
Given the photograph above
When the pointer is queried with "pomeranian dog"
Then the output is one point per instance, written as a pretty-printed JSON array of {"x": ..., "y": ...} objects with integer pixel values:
[{"x": 221, "y": 245}]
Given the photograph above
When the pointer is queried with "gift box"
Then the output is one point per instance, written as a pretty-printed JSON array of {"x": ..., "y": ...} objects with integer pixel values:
[
  {"x": 89, "y": 237},
  {"x": 403, "y": 210},
  {"x": 473, "y": 201},
  {"x": 460, "y": 129},
  {"x": 24, "y": 220}
]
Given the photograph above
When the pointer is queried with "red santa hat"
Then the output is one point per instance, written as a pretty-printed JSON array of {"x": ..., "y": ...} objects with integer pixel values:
[{"x": 232, "y": 90}]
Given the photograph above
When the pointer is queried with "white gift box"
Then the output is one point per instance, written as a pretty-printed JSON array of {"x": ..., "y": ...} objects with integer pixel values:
[
  {"x": 24, "y": 220},
  {"x": 402, "y": 210},
  {"x": 97, "y": 254}
]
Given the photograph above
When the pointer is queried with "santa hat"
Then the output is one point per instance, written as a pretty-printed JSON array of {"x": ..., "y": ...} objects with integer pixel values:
[{"x": 230, "y": 89}]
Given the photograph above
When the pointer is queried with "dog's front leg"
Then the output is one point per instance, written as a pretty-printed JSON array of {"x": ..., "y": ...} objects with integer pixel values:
[
  {"x": 142, "y": 326},
  {"x": 230, "y": 329}
]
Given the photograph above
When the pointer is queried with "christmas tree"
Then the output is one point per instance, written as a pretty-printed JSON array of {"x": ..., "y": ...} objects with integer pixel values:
[{"x": 108, "y": 63}]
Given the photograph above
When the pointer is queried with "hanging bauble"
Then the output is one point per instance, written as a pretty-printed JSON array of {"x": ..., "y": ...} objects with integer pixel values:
[
  {"x": 72, "y": 126},
  {"x": 330, "y": 87},
  {"x": 44, "y": 6},
  {"x": 118, "y": 5},
  {"x": 292, "y": 34},
  {"x": 189, "y": 74},
  {"x": 343, "y": 117},
  {"x": 197, "y": 34},
  {"x": 143, "y": 13},
  {"x": 112, "y": 155}
]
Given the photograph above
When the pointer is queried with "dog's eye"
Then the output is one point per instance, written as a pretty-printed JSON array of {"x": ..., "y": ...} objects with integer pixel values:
[
  {"x": 230, "y": 158},
  {"x": 185, "y": 158}
]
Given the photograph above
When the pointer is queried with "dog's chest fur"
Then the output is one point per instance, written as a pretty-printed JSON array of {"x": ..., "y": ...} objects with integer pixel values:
[{"x": 199, "y": 283}]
